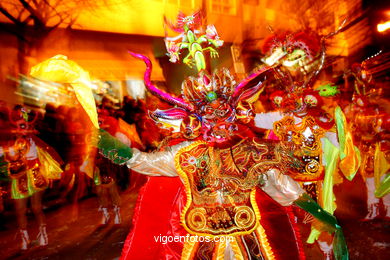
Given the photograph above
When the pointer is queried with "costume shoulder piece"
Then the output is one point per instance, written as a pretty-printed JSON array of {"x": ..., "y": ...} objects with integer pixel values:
[{"x": 306, "y": 137}]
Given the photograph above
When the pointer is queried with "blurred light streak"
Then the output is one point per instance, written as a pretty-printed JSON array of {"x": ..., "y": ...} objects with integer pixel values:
[
  {"x": 378, "y": 65},
  {"x": 382, "y": 27},
  {"x": 41, "y": 92},
  {"x": 27, "y": 96}
]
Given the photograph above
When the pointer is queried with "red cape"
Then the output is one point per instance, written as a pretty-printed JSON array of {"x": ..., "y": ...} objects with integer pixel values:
[{"x": 157, "y": 213}]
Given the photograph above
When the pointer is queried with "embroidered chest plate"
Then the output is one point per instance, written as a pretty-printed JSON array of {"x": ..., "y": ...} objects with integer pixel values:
[
  {"x": 305, "y": 139},
  {"x": 221, "y": 185}
]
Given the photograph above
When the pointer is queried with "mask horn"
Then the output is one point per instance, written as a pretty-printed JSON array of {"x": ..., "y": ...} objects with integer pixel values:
[
  {"x": 244, "y": 83},
  {"x": 158, "y": 92}
]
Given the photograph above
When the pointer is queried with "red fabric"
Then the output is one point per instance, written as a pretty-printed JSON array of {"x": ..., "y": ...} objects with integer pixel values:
[
  {"x": 158, "y": 210},
  {"x": 297, "y": 232},
  {"x": 278, "y": 227},
  {"x": 109, "y": 123}
]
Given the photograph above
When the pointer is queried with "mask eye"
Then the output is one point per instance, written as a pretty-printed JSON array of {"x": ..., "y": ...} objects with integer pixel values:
[
  {"x": 220, "y": 112},
  {"x": 191, "y": 127},
  {"x": 208, "y": 110},
  {"x": 278, "y": 100},
  {"x": 311, "y": 100}
]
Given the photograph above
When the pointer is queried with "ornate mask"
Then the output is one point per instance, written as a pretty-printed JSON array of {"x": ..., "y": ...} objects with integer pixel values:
[{"x": 213, "y": 105}]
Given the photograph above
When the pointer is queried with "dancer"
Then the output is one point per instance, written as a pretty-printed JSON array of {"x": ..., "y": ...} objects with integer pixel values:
[
  {"x": 307, "y": 118},
  {"x": 106, "y": 172},
  {"x": 370, "y": 122},
  {"x": 225, "y": 170},
  {"x": 30, "y": 166},
  {"x": 74, "y": 88}
]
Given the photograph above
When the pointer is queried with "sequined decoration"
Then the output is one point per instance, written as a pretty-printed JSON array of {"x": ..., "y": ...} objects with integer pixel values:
[
  {"x": 304, "y": 139},
  {"x": 221, "y": 184}
]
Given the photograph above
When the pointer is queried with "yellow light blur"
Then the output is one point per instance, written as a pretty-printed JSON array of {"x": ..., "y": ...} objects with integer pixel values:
[{"x": 381, "y": 27}]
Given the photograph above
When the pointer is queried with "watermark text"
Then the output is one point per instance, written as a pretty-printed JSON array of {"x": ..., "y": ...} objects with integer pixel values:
[{"x": 191, "y": 238}]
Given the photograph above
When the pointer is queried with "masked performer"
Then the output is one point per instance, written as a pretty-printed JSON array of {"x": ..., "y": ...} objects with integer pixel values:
[
  {"x": 371, "y": 127},
  {"x": 30, "y": 166},
  {"x": 306, "y": 117},
  {"x": 227, "y": 172}
]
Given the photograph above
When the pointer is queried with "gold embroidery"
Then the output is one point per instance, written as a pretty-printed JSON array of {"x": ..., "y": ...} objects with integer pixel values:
[
  {"x": 197, "y": 219},
  {"x": 244, "y": 217},
  {"x": 221, "y": 186},
  {"x": 265, "y": 246},
  {"x": 236, "y": 250},
  {"x": 305, "y": 139},
  {"x": 189, "y": 249}
]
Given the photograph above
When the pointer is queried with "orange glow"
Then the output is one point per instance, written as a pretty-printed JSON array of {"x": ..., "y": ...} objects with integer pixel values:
[{"x": 381, "y": 27}]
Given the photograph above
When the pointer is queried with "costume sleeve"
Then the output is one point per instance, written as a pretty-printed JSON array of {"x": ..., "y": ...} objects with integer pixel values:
[
  {"x": 329, "y": 224},
  {"x": 349, "y": 154},
  {"x": 50, "y": 168},
  {"x": 111, "y": 148},
  {"x": 381, "y": 167},
  {"x": 330, "y": 155},
  {"x": 281, "y": 188},
  {"x": 266, "y": 120},
  {"x": 156, "y": 163},
  {"x": 332, "y": 137},
  {"x": 60, "y": 69},
  {"x": 384, "y": 187}
]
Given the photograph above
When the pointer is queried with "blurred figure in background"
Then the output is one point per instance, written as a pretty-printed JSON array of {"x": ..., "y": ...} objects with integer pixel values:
[
  {"x": 371, "y": 128},
  {"x": 3, "y": 164},
  {"x": 79, "y": 156},
  {"x": 30, "y": 167},
  {"x": 105, "y": 174},
  {"x": 131, "y": 110}
]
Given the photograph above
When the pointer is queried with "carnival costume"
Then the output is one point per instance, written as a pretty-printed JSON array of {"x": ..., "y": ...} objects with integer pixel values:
[
  {"x": 371, "y": 125},
  {"x": 227, "y": 172},
  {"x": 320, "y": 134},
  {"x": 29, "y": 164}
]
